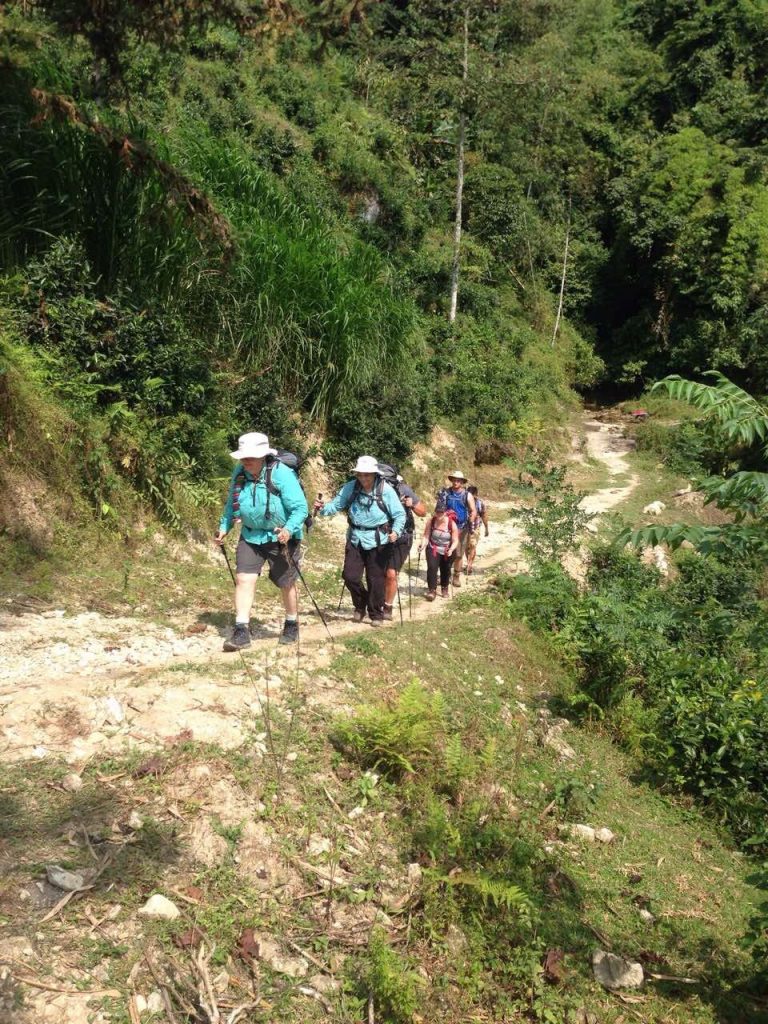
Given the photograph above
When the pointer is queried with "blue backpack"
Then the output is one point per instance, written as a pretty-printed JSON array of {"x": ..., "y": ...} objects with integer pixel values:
[{"x": 456, "y": 503}]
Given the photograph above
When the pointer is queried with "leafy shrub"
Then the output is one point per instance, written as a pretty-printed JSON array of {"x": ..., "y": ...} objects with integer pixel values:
[
  {"x": 554, "y": 524},
  {"x": 542, "y": 598},
  {"x": 384, "y": 974},
  {"x": 403, "y": 737},
  {"x": 711, "y": 736}
]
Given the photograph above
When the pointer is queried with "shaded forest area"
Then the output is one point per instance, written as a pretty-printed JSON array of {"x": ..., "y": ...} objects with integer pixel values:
[{"x": 215, "y": 215}]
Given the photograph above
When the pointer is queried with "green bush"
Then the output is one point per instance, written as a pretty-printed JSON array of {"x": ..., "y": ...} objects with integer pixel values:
[
  {"x": 388, "y": 977},
  {"x": 403, "y": 738}
]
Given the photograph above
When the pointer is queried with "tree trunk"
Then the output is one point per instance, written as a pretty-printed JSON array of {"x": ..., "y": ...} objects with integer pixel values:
[
  {"x": 459, "y": 174},
  {"x": 562, "y": 279}
]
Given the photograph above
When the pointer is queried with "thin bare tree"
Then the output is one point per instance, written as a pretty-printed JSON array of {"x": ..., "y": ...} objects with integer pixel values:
[
  {"x": 562, "y": 279},
  {"x": 459, "y": 172}
]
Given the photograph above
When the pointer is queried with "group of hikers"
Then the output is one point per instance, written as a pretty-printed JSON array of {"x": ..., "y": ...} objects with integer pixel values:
[{"x": 267, "y": 499}]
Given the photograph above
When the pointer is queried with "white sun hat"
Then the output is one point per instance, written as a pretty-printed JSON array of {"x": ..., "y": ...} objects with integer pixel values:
[
  {"x": 252, "y": 446},
  {"x": 366, "y": 464},
  {"x": 456, "y": 475}
]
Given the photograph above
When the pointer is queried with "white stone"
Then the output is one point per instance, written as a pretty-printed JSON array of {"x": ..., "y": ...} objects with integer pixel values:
[
  {"x": 415, "y": 873},
  {"x": 69, "y": 881},
  {"x": 135, "y": 821},
  {"x": 614, "y": 972},
  {"x": 604, "y": 835},
  {"x": 114, "y": 710},
  {"x": 159, "y": 906},
  {"x": 155, "y": 1003},
  {"x": 654, "y": 508},
  {"x": 585, "y": 832},
  {"x": 646, "y": 915},
  {"x": 72, "y": 782}
]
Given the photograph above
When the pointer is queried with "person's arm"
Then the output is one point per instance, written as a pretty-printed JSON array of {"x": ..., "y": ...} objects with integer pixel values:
[
  {"x": 485, "y": 518},
  {"x": 396, "y": 512},
  {"x": 454, "y": 538},
  {"x": 471, "y": 506},
  {"x": 228, "y": 515},
  {"x": 337, "y": 504},
  {"x": 294, "y": 502},
  {"x": 427, "y": 532}
]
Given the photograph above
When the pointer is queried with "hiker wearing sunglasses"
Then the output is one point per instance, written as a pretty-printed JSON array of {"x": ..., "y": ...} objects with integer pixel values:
[
  {"x": 266, "y": 498},
  {"x": 376, "y": 522}
]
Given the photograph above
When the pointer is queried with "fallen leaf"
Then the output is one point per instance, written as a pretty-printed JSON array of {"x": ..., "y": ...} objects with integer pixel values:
[
  {"x": 196, "y": 627},
  {"x": 190, "y": 938},
  {"x": 194, "y": 892},
  {"x": 248, "y": 944},
  {"x": 154, "y": 766},
  {"x": 553, "y": 970}
]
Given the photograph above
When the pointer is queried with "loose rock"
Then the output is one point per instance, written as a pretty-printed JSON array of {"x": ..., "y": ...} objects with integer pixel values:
[
  {"x": 69, "y": 881},
  {"x": 72, "y": 782},
  {"x": 614, "y": 972},
  {"x": 159, "y": 906}
]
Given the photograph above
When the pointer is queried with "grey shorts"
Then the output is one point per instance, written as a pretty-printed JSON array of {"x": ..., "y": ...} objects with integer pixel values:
[{"x": 250, "y": 558}]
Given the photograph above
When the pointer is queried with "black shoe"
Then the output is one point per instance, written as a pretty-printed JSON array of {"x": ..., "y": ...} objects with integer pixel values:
[
  {"x": 387, "y": 612},
  {"x": 357, "y": 615},
  {"x": 290, "y": 633},
  {"x": 241, "y": 637}
]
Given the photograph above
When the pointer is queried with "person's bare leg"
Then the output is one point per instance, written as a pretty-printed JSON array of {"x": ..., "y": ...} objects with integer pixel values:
[
  {"x": 290, "y": 596},
  {"x": 244, "y": 594},
  {"x": 390, "y": 587}
]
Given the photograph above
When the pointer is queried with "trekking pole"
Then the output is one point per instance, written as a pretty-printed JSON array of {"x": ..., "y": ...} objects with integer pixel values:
[
  {"x": 410, "y": 587},
  {"x": 295, "y": 564},
  {"x": 229, "y": 564},
  {"x": 341, "y": 595}
]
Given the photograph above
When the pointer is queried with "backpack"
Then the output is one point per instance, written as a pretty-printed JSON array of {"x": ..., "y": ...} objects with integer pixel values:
[
  {"x": 377, "y": 496},
  {"x": 456, "y": 503},
  {"x": 390, "y": 475},
  {"x": 289, "y": 459}
]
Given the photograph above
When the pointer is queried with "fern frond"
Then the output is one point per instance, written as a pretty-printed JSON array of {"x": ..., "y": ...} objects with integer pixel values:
[{"x": 501, "y": 894}]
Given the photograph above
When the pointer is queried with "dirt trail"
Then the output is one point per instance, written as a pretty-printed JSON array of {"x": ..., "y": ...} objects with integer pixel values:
[{"x": 86, "y": 685}]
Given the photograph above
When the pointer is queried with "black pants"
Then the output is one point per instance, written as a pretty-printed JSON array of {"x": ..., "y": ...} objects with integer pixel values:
[
  {"x": 435, "y": 562},
  {"x": 374, "y": 564}
]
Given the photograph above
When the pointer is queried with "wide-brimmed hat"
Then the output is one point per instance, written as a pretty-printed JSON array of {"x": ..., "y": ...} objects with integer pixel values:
[
  {"x": 252, "y": 446},
  {"x": 456, "y": 475},
  {"x": 366, "y": 464}
]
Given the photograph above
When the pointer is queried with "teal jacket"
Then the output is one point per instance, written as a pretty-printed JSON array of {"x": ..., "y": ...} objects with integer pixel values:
[
  {"x": 288, "y": 508},
  {"x": 365, "y": 511}
]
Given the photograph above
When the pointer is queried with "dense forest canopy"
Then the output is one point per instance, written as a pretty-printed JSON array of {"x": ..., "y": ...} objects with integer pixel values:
[{"x": 220, "y": 213}]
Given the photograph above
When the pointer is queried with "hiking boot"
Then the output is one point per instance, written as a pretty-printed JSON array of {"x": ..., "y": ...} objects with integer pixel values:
[
  {"x": 387, "y": 612},
  {"x": 357, "y": 616},
  {"x": 290, "y": 633},
  {"x": 431, "y": 595},
  {"x": 456, "y": 580},
  {"x": 241, "y": 637},
  {"x": 377, "y": 622},
  {"x": 445, "y": 592}
]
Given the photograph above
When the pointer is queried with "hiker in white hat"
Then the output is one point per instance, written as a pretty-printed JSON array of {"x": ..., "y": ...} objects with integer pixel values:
[
  {"x": 376, "y": 521},
  {"x": 267, "y": 499},
  {"x": 458, "y": 500}
]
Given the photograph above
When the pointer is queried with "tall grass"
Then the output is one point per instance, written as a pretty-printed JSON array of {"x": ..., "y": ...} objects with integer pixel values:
[{"x": 318, "y": 308}]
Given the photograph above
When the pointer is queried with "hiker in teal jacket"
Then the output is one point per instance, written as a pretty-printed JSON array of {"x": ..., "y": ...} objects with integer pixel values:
[
  {"x": 376, "y": 521},
  {"x": 272, "y": 527}
]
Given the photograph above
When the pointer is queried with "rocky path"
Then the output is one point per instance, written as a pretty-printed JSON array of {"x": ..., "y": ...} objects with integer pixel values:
[{"x": 86, "y": 685}]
